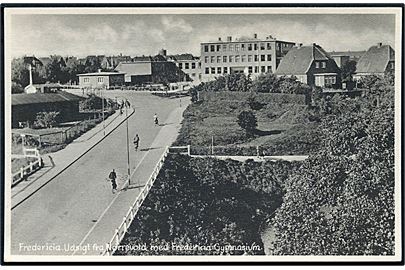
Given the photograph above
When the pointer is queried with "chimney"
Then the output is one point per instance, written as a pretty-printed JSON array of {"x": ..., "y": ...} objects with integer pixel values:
[
  {"x": 255, "y": 35},
  {"x": 299, "y": 45},
  {"x": 229, "y": 38},
  {"x": 379, "y": 44},
  {"x": 99, "y": 70}
]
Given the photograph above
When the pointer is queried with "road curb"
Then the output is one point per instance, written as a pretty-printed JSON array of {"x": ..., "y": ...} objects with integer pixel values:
[{"x": 74, "y": 161}]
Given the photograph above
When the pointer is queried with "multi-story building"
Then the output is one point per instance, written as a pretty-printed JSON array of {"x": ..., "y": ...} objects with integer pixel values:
[
  {"x": 189, "y": 64},
  {"x": 252, "y": 56}
]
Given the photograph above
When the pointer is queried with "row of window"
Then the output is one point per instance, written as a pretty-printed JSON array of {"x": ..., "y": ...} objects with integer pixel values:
[
  {"x": 237, "y": 47},
  {"x": 242, "y": 47},
  {"x": 320, "y": 64},
  {"x": 99, "y": 80},
  {"x": 237, "y": 58},
  {"x": 224, "y": 70},
  {"x": 187, "y": 65}
]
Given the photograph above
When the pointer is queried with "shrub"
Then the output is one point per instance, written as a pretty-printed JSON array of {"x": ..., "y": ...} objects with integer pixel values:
[
  {"x": 247, "y": 120},
  {"x": 46, "y": 119}
]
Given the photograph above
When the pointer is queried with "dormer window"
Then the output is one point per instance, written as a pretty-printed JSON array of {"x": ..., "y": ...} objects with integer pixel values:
[
  {"x": 317, "y": 65},
  {"x": 323, "y": 64}
]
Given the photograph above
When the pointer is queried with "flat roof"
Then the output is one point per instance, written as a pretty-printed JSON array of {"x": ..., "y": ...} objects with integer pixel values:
[{"x": 101, "y": 74}]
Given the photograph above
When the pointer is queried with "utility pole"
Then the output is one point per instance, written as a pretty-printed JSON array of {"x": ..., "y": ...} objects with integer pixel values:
[
  {"x": 102, "y": 102},
  {"x": 128, "y": 166},
  {"x": 212, "y": 145}
]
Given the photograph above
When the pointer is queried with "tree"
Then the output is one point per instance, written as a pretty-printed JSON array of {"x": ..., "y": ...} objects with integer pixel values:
[
  {"x": 16, "y": 88},
  {"x": 46, "y": 119},
  {"x": 247, "y": 120},
  {"x": 348, "y": 70}
]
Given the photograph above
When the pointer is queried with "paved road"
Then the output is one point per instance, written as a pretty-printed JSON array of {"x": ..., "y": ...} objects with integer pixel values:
[{"x": 63, "y": 213}]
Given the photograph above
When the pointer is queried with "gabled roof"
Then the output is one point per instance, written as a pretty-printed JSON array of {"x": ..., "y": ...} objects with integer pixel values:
[
  {"x": 102, "y": 73},
  {"x": 37, "y": 98},
  {"x": 299, "y": 59},
  {"x": 135, "y": 68},
  {"x": 376, "y": 59},
  {"x": 182, "y": 57}
]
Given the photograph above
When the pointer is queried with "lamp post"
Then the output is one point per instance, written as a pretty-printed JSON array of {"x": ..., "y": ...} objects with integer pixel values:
[
  {"x": 128, "y": 165},
  {"x": 102, "y": 106}
]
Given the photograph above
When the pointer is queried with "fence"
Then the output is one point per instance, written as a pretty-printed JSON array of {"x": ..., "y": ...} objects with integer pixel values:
[
  {"x": 30, "y": 168},
  {"x": 129, "y": 217},
  {"x": 180, "y": 149},
  {"x": 61, "y": 136}
]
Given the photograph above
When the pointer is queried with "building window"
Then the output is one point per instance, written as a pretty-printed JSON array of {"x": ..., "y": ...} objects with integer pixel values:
[
  {"x": 262, "y": 57},
  {"x": 255, "y": 46},
  {"x": 180, "y": 65},
  {"x": 192, "y": 74},
  {"x": 100, "y": 79},
  {"x": 225, "y": 70},
  {"x": 230, "y": 59},
  {"x": 330, "y": 80},
  {"x": 86, "y": 80},
  {"x": 212, "y": 70},
  {"x": 207, "y": 71},
  {"x": 317, "y": 65},
  {"x": 236, "y": 47},
  {"x": 224, "y": 47},
  {"x": 323, "y": 64},
  {"x": 224, "y": 59},
  {"x": 268, "y": 46},
  {"x": 230, "y": 47},
  {"x": 263, "y": 69},
  {"x": 237, "y": 57},
  {"x": 219, "y": 70},
  {"x": 250, "y": 69},
  {"x": 243, "y": 58},
  {"x": 269, "y": 57},
  {"x": 212, "y": 59},
  {"x": 249, "y": 46},
  {"x": 205, "y": 48},
  {"x": 269, "y": 69},
  {"x": 206, "y": 59},
  {"x": 212, "y": 48},
  {"x": 199, "y": 64},
  {"x": 218, "y": 59},
  {"x": 256, "y": 58},
  {"x": 218, "y": 48},
  {"x": 193, "y": 65},
  {"x": 256, "y": 69},
  {"x": 262, "y": 47},
  {"x": 243, "y": 47},
  {"x": 250, "y": 58},
  {"x": 187, "y": 65}
]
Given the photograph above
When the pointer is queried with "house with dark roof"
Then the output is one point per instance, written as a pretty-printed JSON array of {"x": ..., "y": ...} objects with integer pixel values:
[
  {"x": 25, "y": 107},
  {"x": 342, "y": 57},
  {"x": 377, "y": 61},
  {"x": 311, "y": 65},
  {"x": 101, "y": 79}
]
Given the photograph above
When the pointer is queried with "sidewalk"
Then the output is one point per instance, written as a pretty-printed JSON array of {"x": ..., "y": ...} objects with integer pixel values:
[
  {"x": 56, "y": 162},
  {"x": 103, "y": 230}
]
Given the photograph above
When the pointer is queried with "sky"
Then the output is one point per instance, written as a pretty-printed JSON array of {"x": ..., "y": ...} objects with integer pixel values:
[{"x": 145, "y": 34}]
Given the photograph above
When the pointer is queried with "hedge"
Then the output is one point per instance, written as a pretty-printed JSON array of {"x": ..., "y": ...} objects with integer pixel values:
[{"x": 263, "y": 97}]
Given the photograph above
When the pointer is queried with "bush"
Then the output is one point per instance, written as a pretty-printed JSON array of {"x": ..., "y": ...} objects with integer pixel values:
[
  {"x": 46, "y": 119},
  {"x": 247, "y": 120}
]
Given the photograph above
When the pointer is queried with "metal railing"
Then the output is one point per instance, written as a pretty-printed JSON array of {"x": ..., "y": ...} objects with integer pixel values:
[
  {"x": 129, "y": 217},
  {"x": 32, "y": 167}
]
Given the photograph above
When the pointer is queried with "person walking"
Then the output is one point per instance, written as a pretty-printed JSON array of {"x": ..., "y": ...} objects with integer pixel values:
[
  {"x": 156, "y": 120},
  {"x": 136, "y": 142},
  {"x": 113, "y": 177}
]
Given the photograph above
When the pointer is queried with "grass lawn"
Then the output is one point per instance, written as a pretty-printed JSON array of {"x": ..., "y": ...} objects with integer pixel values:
[
  {"x": 17, "y": 163},
  {"x": 282, "y": 128}
]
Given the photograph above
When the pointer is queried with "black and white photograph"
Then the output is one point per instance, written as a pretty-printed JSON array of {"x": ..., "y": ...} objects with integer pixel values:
[{"x": 202, "y": 134}]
